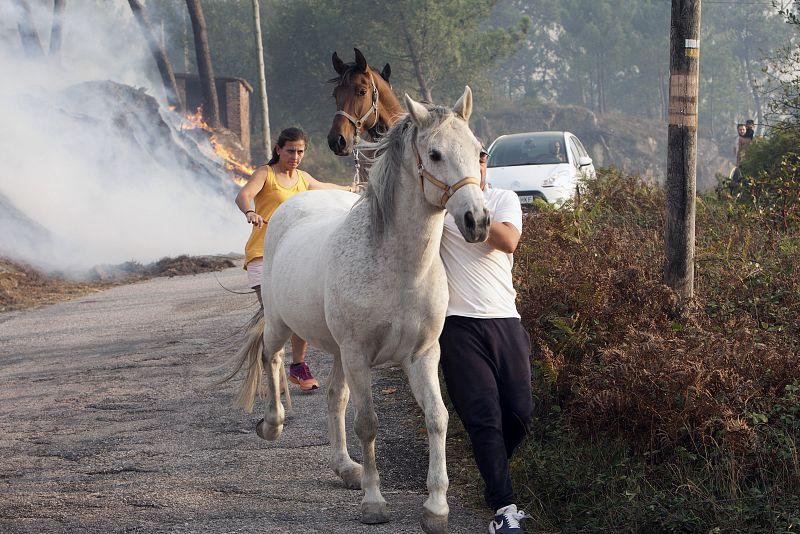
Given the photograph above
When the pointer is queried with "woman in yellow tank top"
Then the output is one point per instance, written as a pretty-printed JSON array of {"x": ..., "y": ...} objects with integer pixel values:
[{"x": 269, "y": 187}]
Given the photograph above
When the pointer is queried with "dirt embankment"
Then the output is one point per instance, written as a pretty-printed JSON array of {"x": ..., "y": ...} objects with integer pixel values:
[{"x": 23, "y": 286}]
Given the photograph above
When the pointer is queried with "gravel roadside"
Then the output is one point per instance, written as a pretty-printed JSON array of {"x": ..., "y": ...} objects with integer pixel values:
[{"x": 107, "y": 423}]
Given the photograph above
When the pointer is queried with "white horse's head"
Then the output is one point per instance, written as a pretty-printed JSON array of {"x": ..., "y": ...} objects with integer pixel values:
[{"x": 447, "y": 158}]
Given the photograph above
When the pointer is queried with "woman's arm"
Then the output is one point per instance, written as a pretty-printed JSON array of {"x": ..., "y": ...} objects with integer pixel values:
[
  {"x": 244, "y": 199},
  {"x": 313, "y": 183}
]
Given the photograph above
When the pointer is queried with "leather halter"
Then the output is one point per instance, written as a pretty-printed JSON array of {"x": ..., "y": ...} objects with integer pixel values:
[
  {"x": 359, "y": 123},
  {"x": 448, "y": 190}
]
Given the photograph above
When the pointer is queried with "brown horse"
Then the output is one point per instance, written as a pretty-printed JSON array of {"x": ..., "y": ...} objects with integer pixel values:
[{"x": 365, "y": 103}]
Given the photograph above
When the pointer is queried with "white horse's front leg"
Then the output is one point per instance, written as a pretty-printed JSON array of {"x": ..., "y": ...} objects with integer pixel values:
[
  {"x": 373, "y": 506},
  {"x": 422, "y": 372},
  {"x": 338, "y": 393},
  {"x": 271, "y": 427}
]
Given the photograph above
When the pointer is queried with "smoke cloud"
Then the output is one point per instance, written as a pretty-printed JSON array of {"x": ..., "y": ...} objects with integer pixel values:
[{"x": 95, "y": 172}]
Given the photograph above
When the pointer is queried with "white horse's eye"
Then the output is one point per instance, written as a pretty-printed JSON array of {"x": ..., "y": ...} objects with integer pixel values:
[{"x": 435, "y": 155}]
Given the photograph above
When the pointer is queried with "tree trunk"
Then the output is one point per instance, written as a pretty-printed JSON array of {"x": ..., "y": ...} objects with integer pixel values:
[
  {"x": 27, "y": 31},
  {"x": 204, "y": 68},
  {"x": 682, "y": 150},
  {"x": 601, "y": 85},
  {"x": 416, "y": 63},
  {"x": 56, "y": 30},
  {"x": 186, "y": 62},
  {"x": 711, "y": 107},
  {"x": 160, "y": 56},
  {"x": 262, "y": 83}
]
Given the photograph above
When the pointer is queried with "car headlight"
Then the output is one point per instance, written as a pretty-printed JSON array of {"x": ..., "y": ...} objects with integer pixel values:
[{"x": 557, "y": 176}]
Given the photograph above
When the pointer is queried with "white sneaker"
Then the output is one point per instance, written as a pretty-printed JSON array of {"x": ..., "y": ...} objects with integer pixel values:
[{"x": 506, "y": 520}]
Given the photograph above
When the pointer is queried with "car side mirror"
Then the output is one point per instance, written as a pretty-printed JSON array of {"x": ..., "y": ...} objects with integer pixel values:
[{"x": 583, "y": 161}]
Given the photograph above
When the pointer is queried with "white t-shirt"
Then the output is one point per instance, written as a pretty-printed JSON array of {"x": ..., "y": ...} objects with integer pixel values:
[{"x": 478, "y": 276}]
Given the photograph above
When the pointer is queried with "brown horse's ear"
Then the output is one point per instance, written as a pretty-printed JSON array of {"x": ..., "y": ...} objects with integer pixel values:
[
  {"x": 338, "y": 64},
  {"x": 418, "y": 112},
  {"x": 386, "y": 72},
  {"x": 463, "y": 108},
  {"x": 361, "y": 61}
]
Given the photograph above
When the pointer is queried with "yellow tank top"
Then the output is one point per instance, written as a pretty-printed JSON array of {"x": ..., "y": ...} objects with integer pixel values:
[{"x": 267, "y": 201}]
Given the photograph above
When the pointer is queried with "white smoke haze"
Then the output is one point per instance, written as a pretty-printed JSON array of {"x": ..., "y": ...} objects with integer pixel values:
[{"x": 87, "y": 168}]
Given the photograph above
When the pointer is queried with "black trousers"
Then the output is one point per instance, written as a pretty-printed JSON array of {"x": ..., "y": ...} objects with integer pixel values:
[{"x": 487, "y": 369}]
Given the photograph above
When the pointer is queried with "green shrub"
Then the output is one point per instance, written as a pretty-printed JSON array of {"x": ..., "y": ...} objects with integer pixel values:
[{"x": 769, "y": 187}]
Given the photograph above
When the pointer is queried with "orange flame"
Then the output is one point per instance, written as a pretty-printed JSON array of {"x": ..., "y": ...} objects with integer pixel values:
[
  {"x": 239, "y": 170},
  {"x": 195, "y": 121}
]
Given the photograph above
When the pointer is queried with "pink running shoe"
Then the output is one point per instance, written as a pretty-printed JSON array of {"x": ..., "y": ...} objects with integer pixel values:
[{"x": 300, "y": 374}]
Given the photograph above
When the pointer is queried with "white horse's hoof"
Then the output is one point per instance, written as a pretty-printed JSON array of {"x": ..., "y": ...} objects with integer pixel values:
[
  {"x": 352, "y": 477},
  {"x": 373, "y": 513},
  {"x": 432, "y": 523},
  {"x": 269, "y": 433}
]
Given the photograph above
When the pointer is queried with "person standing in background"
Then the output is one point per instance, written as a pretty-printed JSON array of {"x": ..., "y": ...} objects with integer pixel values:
[
  {"x": 750, "y": 128},
  {"x": 741, "y": 142}
]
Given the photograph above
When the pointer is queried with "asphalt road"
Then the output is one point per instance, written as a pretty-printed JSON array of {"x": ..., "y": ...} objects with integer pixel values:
[{"x": 107, "y": 424}]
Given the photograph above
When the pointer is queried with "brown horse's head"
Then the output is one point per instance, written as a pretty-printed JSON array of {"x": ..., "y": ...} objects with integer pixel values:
[{"x": 362, "y": 95}]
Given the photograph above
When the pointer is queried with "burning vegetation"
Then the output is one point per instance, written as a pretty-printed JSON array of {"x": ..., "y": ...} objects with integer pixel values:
[{"x": 225, "y": 146}]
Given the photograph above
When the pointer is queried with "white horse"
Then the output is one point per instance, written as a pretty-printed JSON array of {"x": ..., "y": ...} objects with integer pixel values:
[{"x": 364, "y": 281}]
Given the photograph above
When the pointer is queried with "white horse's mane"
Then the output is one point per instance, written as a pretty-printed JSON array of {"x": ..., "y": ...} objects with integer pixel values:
[{"x": 387, "y": 163}]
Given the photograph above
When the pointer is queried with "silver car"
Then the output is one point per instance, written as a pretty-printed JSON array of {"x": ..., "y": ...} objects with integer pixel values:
[{"x": 545, "y": 165}]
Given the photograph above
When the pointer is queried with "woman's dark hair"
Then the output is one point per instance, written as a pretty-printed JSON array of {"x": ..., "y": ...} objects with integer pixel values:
[{"x": 289, "y": 134}]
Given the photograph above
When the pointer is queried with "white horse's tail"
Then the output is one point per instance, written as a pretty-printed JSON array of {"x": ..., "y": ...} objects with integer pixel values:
[{"x": 249, "y": 356}]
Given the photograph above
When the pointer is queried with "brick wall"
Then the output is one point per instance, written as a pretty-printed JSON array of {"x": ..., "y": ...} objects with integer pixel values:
[{"x": 237, "y": 106}]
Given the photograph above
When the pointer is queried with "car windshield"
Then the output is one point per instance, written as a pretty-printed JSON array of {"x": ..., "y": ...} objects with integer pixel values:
[{"x": 534, "y": 149}]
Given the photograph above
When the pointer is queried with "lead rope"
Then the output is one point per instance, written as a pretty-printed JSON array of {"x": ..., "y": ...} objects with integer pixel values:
[{"x": 358, "y": 183}]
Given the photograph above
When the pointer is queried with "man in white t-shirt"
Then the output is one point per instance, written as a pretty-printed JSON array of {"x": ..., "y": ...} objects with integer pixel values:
[{"x": 485, "y": 351}]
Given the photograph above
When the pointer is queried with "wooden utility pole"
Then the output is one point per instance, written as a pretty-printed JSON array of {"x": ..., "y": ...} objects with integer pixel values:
[
  {"x": 262, "y": 83},
  {"x": 684, "y": 68}
]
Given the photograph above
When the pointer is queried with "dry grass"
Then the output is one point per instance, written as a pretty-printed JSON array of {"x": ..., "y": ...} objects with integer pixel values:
[
  {"x": 23, "y": 286},
  {"x": 590, "y": 293}
]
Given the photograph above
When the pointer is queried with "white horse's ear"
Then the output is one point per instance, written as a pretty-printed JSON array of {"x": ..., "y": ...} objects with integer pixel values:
[
  {"x": 463, "y": 107},
  {"x": 417, "y": 111}
]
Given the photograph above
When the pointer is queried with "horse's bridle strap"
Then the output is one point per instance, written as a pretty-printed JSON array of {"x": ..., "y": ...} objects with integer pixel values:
[
  {"x": 449, "y": 190},
  {"x": 358, "y": 123}
]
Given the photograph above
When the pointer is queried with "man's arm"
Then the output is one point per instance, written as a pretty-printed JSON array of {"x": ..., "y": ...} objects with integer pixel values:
[{"x": 503, "y": 236}]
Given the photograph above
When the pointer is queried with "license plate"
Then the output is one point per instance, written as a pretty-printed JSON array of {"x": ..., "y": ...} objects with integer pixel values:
[{"x": 526, "y": 199}]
